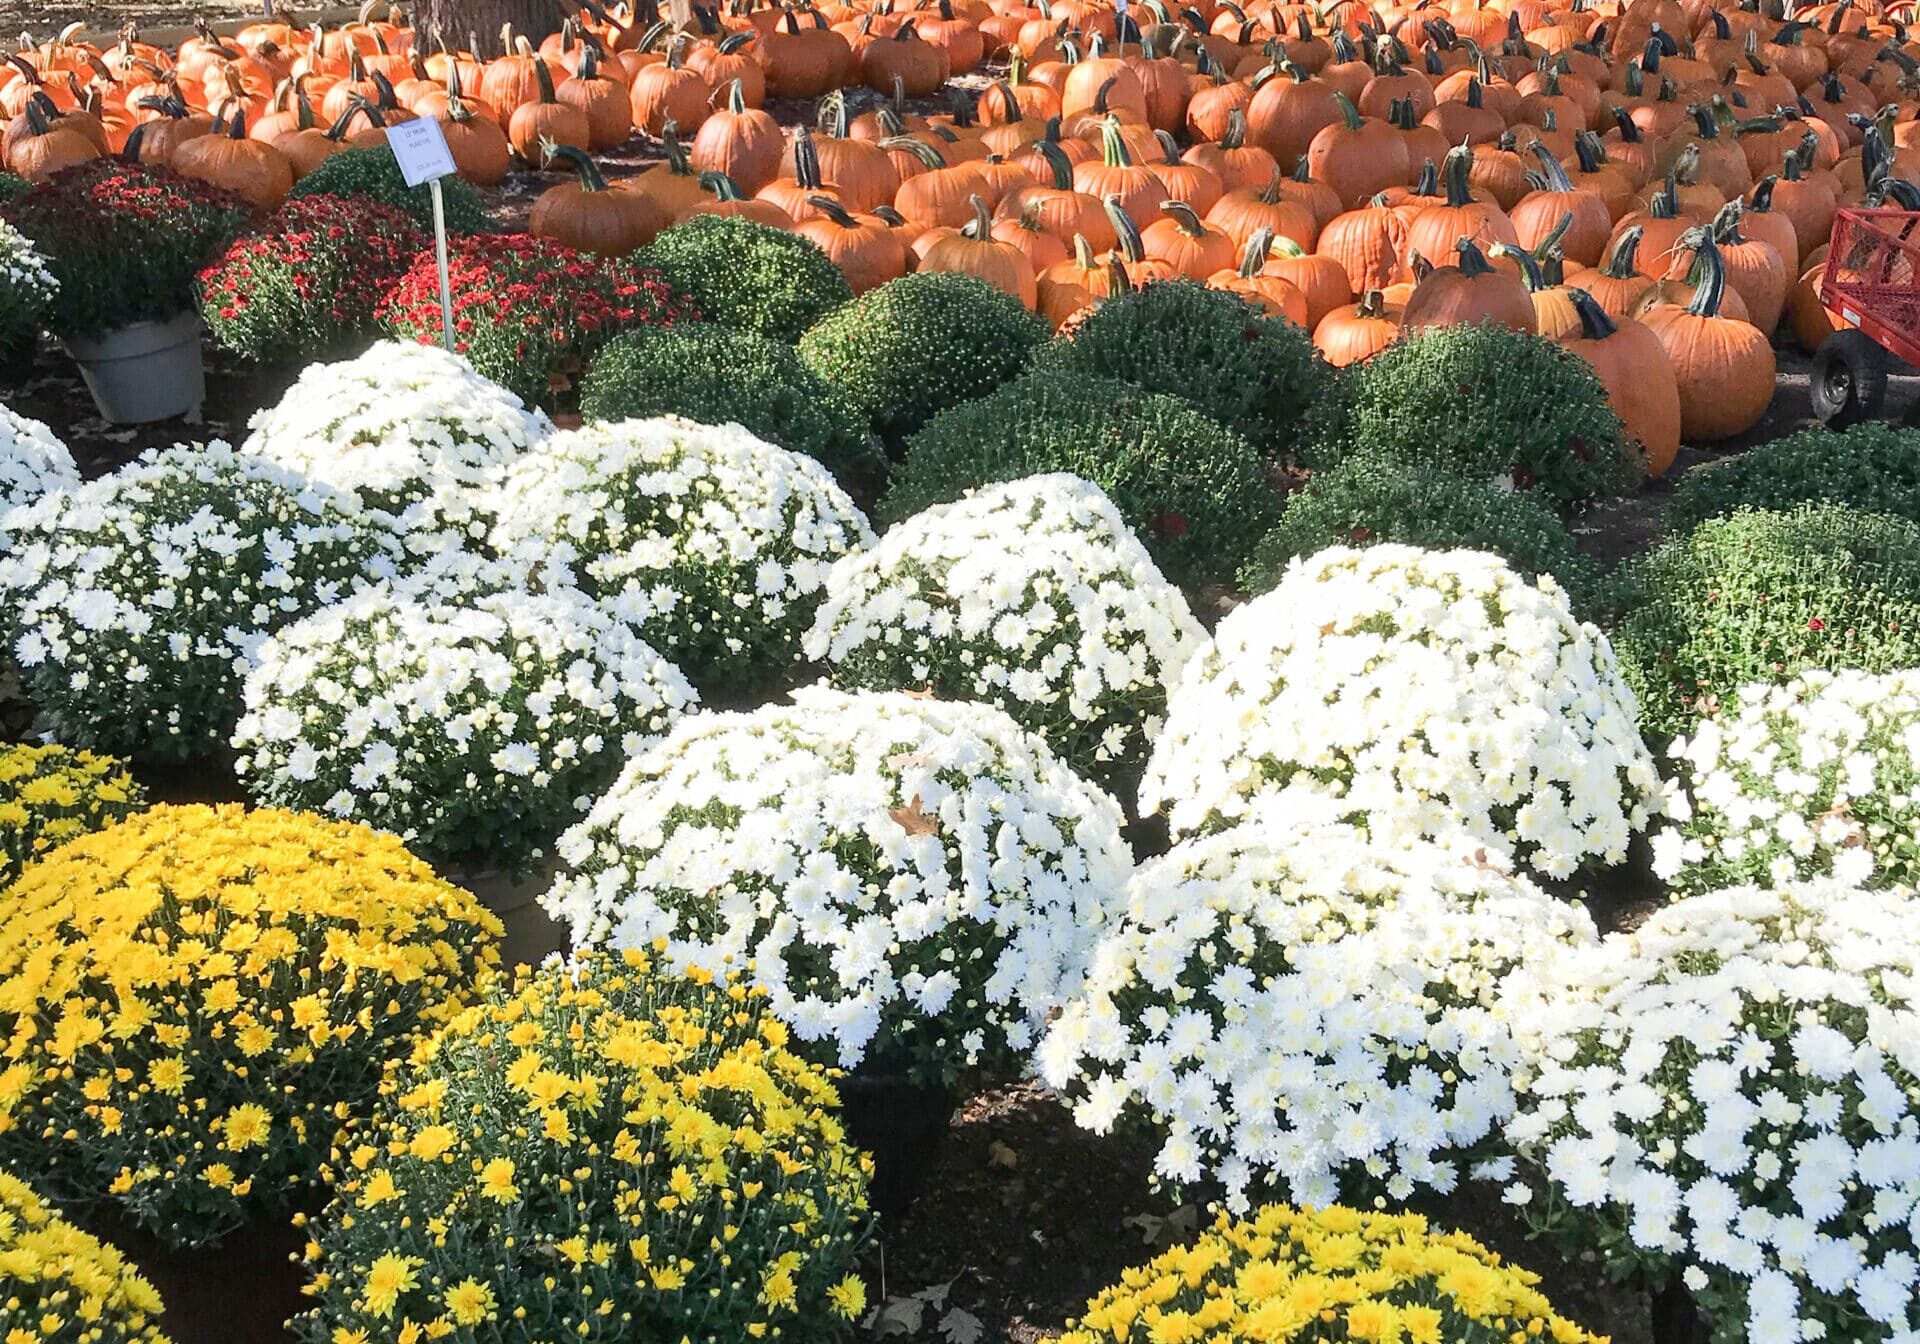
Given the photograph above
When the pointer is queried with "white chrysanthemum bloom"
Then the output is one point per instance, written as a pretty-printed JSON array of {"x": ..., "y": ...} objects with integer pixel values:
[
  {"x": 1035, "y": 597},
  {"x": 719, "y": 542},
  {"x": 1416, "y": 693},
  {"x": 27, "y": 286},
  {"x": 1729, "y": 1092},
  {"x": 916, "y": 882},
  {"x": 474, "y": 725},
  {"x": 1819, "y": 777},
  {"x": 33, "y": 462},
  {"x": 135, "y": 600},
  {"x": 1307, "y": 1009},
  {"x": 407, "y": 428}
]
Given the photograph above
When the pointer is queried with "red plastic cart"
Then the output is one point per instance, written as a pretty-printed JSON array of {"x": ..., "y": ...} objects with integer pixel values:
[{"x": 1871, "y": 283}]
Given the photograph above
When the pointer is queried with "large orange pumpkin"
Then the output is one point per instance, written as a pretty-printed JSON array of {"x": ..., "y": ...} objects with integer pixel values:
[
  {"x": 1724, "y": 367},
  {"x": 1633, "y": 366}
]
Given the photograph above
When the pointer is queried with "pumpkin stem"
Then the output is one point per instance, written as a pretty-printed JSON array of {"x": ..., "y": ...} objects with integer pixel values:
[
  {"x": 1253, "y": 258},
  {"x": 1529, "y": 268},
  {"x": 1666, "y": 202},
  {"x": 1236, "y": 132},
  {"x": 1168, "y": 146},
  {"x": 723, "y": 187},
  {"x": 1761, "y": 201},
  {"x": 1622, "y": 261},
  {"x": 1127, "y": 231},
  {"x": 1595, "y": 325},
  {"x": 1113, "y": 145},
  {"x": 1372, "y": 304},
  {"x": 1551, "y": 169},
  {"x": 1184, "y": 218},
  {"x": 591, "y": 178},
  {"x": 1629, "y": 128},
  {"x": 1713, "y": 278},
  {"x": 1726, "y": 224},
  {"x": 1473, "y": 262},
  {"x": 1057, "y": 162},
  {"x": 1349, "y": 114},
  {"x": 920, "y": 150},
  {"x": 1591, "y": 151},
  {"x": 1459, "y": 184},
  {"x": 806, "y": 157},
  {"x": 980, "y": 227}
]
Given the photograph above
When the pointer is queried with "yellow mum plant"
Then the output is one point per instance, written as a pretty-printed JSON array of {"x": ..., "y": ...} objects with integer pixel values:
[
  {"x": 601, "y": 1152},
  {"x": 1326, "y": 1275},
  {"x": 193, "y": 999},
  {"x": 60, "y": 1286},
  {"x": 50, "y": 795}
]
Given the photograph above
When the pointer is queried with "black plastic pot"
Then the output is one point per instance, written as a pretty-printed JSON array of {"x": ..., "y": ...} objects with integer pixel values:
[
  {"x": 901, "y": 1124},
  {"x": 242, "y": 1291}
]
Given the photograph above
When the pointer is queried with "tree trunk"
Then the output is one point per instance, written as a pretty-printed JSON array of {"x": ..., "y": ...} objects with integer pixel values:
[{"x": 455, "y": 19}]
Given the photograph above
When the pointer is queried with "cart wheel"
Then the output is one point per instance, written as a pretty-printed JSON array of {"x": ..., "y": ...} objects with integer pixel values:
[{"x": 1849, "y": 379}]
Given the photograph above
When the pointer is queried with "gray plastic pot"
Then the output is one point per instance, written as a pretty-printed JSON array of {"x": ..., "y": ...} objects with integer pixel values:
[{"x": 148, "y": 371}]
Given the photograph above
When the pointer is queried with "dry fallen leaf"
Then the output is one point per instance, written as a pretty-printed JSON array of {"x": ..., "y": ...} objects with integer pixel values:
[
  {"x": 1000, "y": 1155},
  {"x": 913, "y": 821}
]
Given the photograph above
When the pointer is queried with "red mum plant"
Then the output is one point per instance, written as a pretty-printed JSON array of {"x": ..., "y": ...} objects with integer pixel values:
[
  {"x": 125, "y": 241},
  {"x": 529, "y": 313},
  {"x": 307, "y": 283}
]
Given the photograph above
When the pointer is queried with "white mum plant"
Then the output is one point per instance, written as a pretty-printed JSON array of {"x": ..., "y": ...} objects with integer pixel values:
[
  {"x": 1310, "y": 1011},
  {"x": 407, "y": 428},
  {"x": 1416, "y": 693},
  {"x": 1034, "y": 596},
  {"x": 474, "y": 724},
  {"x": 27, "y": 286},
  {"x": 33, "y": 462},
  {"x": 718, "y": 541},
  {"x": 135, "y": 600},
  {"x": 1819, "y": 777},
  {"x": 1729, "y": 1094},
  {"x": 915, "y": 882}
]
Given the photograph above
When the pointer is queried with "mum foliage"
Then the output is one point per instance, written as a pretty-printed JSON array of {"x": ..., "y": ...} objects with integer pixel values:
[
  {"x": 1255, "y": 374},
  {"x": 1308, "y": 1011},
  {"x": 1872, "y": 467},
  {"x": 1816, "y": 778},
  {"x": 748, "y": 276},
  {"x": 492, "y": 719},
  {"x": 50, "y": 795},
  {"x": 601, "y": 1144},
  {"x": 915, "y": 883},
  {"x": 1033, "y": 597},
  {"x": 1351, "y": 1276},
  {"x": 135, "y": 599},
  {"x": 372, "y": 173},
  {"x": 1365, "y": 503},
  {"x": 408, "y": 429},
  {"x": 716, "y": 542},
  {"x": 124, "y": 241},
  {"x": 720, "y": 376},
  {"x": 1481, "y": 401},
  {"x": 59, "y": 1285},
  {"x": 305, "y": 284},
  {"x": 1757, "y": 597},
  {"x": 193, "y": 998},
  {"x": 914, "y": 347},
  {"x": 1196, "y": 494},
  {"x": 1413, "y": 694},
  {"x": 33, "y": 462},
  {"x": 529, "y": 313},
  {"x": 1727, "y": 1095}
]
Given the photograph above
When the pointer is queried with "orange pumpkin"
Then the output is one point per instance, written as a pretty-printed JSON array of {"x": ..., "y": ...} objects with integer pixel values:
[
  {"x": 1724, "y": 367},
  {"x": 1348, "y": 335},
  {"x": 973, "y": 250},
  {"x": 1469, "y": 291},
  {"x": 590, "y": 216},
  {"x": 1633, "y": 366}
]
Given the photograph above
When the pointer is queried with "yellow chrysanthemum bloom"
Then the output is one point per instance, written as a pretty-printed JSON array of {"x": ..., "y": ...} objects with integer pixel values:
[
  {"x": 50, "y": 795},
  {"x": 622, "y": 1091},
  {"x": 60, "y": 1286},
  {"x": 145, "y": 968},
  {"x": 1332, "y": 1274}
]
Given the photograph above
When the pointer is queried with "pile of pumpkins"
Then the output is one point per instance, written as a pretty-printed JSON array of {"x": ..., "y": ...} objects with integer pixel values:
[{"x": 1651, "y": 183}]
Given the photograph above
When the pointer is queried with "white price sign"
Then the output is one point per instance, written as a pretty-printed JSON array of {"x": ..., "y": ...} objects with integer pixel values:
[{"x": 420, "y": 148}]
